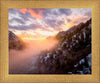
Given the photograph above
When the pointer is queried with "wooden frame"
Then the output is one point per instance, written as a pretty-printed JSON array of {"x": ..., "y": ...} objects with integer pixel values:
[{"x": 4, "y": 53}]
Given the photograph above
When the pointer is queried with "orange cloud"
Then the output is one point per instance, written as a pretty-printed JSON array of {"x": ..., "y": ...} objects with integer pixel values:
[
  {"x": 23, "y": 11},
  {"x": 33, "y": 13}
]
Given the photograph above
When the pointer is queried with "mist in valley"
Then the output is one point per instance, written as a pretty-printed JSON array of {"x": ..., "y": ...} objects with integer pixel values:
[{"x": 22, "y": 61}]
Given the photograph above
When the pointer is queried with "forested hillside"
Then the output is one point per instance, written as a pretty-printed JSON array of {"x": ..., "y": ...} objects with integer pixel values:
[{"x": 72, "y": 55}]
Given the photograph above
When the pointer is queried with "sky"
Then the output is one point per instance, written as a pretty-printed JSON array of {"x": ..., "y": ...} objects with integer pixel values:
[{"x": 40, "y": 23}]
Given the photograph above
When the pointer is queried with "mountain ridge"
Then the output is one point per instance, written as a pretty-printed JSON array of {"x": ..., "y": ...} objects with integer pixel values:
[
  {"x": 72, "y": 54},
  {"x": 15, "y": 42}
]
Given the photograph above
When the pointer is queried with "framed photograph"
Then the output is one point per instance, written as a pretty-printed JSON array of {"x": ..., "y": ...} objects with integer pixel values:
[{"x": 49, "y": 41}]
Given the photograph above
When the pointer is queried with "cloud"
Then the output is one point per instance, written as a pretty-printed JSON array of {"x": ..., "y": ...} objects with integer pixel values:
[
  {"x": 23, "y": 27},
  {"x": 14, "y": 14},
  {"x": 65, "y": 11},
  {"x": 17, "y": 20},
  {"x": 12, "y": 11},
  {"x": 88, "y": 14},
  {"x": 48, "y": 12},
  {"x": 24, "y": 15},
  {"x": 68, "y": 20},
  {"x": 46, "y": 21},
  {"x": 20, "y": 21},
  {"x": 80, "y": 19},
  {"x": 54, "y": 23},
  {"x": 56, "y": 12},
  {"x": 35, "y": 13},
  {"x": 17, "y": 13},
  {"x": 23, "y": 11},
  {"x": 79, "y": 15}
]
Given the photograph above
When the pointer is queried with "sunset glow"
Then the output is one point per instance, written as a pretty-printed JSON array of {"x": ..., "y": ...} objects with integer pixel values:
[{"x": 37, "y": 24}]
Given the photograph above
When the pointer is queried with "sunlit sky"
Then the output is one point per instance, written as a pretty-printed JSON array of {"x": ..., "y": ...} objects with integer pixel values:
[{"x": 35, "y": 24}]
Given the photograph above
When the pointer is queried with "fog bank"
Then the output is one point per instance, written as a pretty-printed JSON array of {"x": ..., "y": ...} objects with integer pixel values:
[{"x": 20, "y": 61}]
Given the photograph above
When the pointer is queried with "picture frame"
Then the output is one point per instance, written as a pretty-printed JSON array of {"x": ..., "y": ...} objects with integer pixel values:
[{"x": 5, "y": 77}]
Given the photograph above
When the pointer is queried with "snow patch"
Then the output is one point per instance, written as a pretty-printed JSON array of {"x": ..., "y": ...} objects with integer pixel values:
[
  {"x": 80, "y": 36},
  {"x": 89, "y": 26},
  {"x": 70, "y": 73},
  {"x": 74, "y": 36},
  {"x": 84, "y": 35},
  {"x": 76, "y": 41},
  {"x": 46, "y": 57},
  {"x": 64, "y": 53},
  {"x": 76, "y": 65},
  {"x": 54, "y": 56},
  {"x": 89, "y": 60},
  {"x": 81, "y": 61}
]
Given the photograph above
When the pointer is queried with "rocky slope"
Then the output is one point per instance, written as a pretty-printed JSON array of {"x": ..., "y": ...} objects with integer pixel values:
[
  {"x": 72, "y": 55},
  {"x": 15, "y": 42}
]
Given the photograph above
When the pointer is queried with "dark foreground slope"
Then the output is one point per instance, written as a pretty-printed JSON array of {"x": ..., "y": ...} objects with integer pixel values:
[
  {"x": 72, "y": 55},
  {"x": 15, "y": 42}
]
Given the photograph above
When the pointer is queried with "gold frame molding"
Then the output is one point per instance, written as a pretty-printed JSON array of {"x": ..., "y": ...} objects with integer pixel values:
[{"x": 5, "y": 77}]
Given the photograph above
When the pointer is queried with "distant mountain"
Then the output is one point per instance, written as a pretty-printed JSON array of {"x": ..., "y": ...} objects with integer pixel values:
[
  {"x": 15, "y": 42},
  {"x": 72, "y": 55}
]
